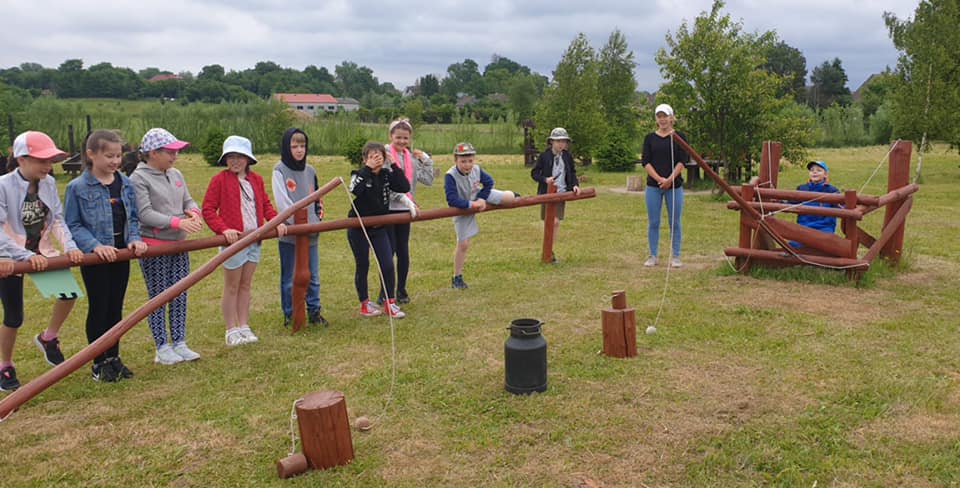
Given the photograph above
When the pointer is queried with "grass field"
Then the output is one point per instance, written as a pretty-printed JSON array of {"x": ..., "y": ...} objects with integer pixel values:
[{"x": 749, "y": 381}]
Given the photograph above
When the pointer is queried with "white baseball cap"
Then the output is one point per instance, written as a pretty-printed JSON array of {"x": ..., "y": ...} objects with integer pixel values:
[{"x": 663, "y": 108}]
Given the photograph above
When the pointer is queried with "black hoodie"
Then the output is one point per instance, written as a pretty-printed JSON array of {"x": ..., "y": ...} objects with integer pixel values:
[{"x": 286, "y": 156}]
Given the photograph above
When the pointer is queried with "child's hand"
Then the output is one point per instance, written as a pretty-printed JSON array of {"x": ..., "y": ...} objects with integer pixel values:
[
  {"x": 76, "y": 256},
  {"x": 666, "y": 183},
  {"x": 38, "y": 262},
  {"x": 479, "y": 204},
  {"x": 418, "y": 154},
  {"x": 576, "y": 190},
  {"x": 281, "y": 230},
  {"x": 6, "y": 267},
  {"x": 106, "y": 253},
  {"x": 374, "y": 160},
  {"x": 191, "y": 224},
  {"x": 232, "y": 235},
  {"x": 138, "y": 247},
  {"x": 549, "y": 180}
]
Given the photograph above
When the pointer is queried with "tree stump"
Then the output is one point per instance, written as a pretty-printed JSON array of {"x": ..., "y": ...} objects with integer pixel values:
[
  {"x": 325, "y": 429},
  {"x": 636, "y": 183},
  {"x": 619, "y": 328}
]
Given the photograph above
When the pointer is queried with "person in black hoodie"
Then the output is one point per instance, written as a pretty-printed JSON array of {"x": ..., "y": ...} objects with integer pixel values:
[
  {"x": 555, "y": 166},
  {"x": 292, "y": 180},
  {"x": 373, "y": 187}
]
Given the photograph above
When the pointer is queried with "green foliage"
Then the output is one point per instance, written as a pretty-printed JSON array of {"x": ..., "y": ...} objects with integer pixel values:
[
  {"x": 212, "y": 144},
  {"x": 788, "y": 62},
  {"x": 617, "y": 87},
  {"x": 841, "y": 126},
  {"x": 616, "y": 154},
  {"x": 881, "y": 123},
  {"x": 829, "y": 82},
  {"x": 352, "y": 149}
]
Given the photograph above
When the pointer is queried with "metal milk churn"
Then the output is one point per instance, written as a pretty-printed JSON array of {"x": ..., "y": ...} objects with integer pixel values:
[{"x": 525, "y": 357}]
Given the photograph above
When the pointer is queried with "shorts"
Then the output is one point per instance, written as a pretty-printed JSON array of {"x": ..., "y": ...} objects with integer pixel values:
[
  {"x": 466, "y": 225},
  {"x": 249, "y": 254},
  {"x": 560, "y": 208}
]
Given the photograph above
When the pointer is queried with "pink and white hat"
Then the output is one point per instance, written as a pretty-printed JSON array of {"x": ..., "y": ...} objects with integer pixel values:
[
  {"x": 36, "y": 145},
  {"x": 158, "y": 138}
]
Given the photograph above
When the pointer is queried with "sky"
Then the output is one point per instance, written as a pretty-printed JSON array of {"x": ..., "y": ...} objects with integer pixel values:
[{"x": 402, "y": 40}]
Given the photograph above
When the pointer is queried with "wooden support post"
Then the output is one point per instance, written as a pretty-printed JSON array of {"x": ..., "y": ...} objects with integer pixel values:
[
  {"x": 71, "y": 140},
  {"x": 325, "y": 429},
  {"x": 770, "y": 164},
  {"x": 619, "y": 328},
  {"x": 549, "y": 230},
  {"x": 746, "y": 229},
  {"x": 619, "y": 300},
  {"x": 898, "y": 176},
  {"x": 301, "y": 273},
  {"x": 636, "y": 182},
  {"x": 849, "y": 224}
]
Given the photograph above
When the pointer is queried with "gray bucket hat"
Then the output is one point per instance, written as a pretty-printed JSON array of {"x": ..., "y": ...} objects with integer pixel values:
[
  {"x": 239, "y": 145},
  {"x": 558, "y": 134}
]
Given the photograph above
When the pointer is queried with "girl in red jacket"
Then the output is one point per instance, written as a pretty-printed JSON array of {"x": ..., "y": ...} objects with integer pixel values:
[{"x": 236, "y": 202}]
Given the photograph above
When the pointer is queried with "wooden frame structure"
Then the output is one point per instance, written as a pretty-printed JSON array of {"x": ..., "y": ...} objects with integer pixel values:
[{"x": 764, "y": 238}]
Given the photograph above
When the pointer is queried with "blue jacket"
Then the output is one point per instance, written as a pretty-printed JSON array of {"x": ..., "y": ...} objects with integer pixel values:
[
  {"x": 89, "y": 216},
  {"x": 819, "y": 222}
]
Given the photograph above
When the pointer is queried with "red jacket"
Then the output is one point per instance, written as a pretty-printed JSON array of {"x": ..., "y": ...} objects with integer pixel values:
[{"x": 221, "y": 202}]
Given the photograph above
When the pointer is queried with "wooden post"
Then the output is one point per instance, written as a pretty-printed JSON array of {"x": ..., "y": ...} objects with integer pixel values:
[
  {"x": 549, "y": 215},
  {"x": 898, "y": 176},
  {"x": 619, "y": 300},
  {"x": 292, "y": 465},
  {"x": 619, "y": 328},
  {"x": 301, "y": 273},
  {"x": 89, "y": 126},
  {"x": 71, "y": 139},
  {"x": 746, "y": 229},
  {"x": 636, "y": 183},
  {"x": 770, "y": 164},
  {"x": 850, "y": 224},
  {"x": 325, "y": 429}
]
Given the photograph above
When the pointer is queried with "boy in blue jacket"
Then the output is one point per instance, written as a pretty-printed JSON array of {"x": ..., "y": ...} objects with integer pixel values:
[{"x": 819, "y": 174}]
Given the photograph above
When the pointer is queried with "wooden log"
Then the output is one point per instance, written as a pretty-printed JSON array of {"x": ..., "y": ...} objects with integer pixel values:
[
  {"x": 831, "y": 244},
  {"x": 12, "y": 401},
  {"x": 889, "y": 231},
  {"x": 898, "y": 177},
  {"x": 292, "y": 465},
  {"x": 866, "y": 240},
  {"x": 325, "y": 429},
  {"x": 301, "y": 273},
  {"x": 849, "y": 225},
  {"x": 636, "y": 183},
  {"x": 619, "y": 332},
  {"x": 619, "y": 299},
  {"x": 770, "y": 164},
  {"x": 790, "y": 259},
  {"x": 549, "y": 229},
  {"x": 898, "y": 195},
  {"x": 801, "y": 209},
  {"x": 767, "y": 194}
]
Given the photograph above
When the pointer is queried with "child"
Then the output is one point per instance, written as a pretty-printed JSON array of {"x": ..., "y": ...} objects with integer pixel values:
[
  {"x": 417, "y": 167},
  {"x": 555, "y": 166},
  {"x": 167, "y": 214},
  {"x": 292, "y": 180},
  {"x": 466, "y": 186},
  {"x": 819, "y": 174},
  {"x": 372, "y": 186},
  {"x": 30, "y": 212},
  {"x": 664, "y": 161},
  {"x": 236, "y": 202},
  {"x": 101, "y": 212}
]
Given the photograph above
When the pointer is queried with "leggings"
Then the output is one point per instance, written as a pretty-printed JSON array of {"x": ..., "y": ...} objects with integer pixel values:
[
  {"x": 361, "y": 254},
  {"x": 400, "y": 243},
  {"x": 11, "y": 293},
  {"x": 106, "y": 287},
  {"x": 160, "y": 273}
]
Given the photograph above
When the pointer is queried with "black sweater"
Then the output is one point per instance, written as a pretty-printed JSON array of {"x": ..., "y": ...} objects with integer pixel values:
[{"x": 372, "y": 191}]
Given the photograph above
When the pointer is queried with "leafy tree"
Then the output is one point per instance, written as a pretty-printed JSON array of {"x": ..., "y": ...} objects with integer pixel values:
[
  {"x": 428, "y": 86},
  {"x": 523, "y": 92},
  {"x": 829, "y": 85},
  {"x": 463, "y": 78},
  {"x": 70, "y": 79},
  {"x": 875, "y": 90},
  {"x": 928, "y": 68},
  {"x": 788, "y": 62},
  {"x": 355, "y": 81},
  {"x": 212, "y": 144},
  {"x": 618, "y": 87},
  {"x": 212, "y": 72},
  {"x": 572, "y": 100},
  {"x": 147, "y": 73}
]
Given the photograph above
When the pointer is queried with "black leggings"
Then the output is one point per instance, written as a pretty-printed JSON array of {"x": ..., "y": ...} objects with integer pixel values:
[
  {"x": 400, "y": 242},
  {"x": 361, "y": 254},
  {"x": 11, "y": 293},
  {"x": 106, "y": 287}
]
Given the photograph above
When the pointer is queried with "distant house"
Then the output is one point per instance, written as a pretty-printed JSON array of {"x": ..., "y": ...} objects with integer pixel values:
[
  {"x": 313, "y": 104},
  {"x": 164, "y": 77},
  {"x": 465, "y": 100}
]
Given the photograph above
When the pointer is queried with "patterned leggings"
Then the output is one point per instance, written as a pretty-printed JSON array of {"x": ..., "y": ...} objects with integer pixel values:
[{"x": 160, "y": 273}]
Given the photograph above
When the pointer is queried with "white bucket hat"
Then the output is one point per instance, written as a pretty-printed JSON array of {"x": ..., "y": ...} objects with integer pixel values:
[
  {"x": 558, "y": 134},
  {"x": 239, "y": 145}
]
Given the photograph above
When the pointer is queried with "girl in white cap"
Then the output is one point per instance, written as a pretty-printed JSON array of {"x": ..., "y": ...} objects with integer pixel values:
[
  {"x": 235, "y": 202},
  {"x": 664, "y": 161}
]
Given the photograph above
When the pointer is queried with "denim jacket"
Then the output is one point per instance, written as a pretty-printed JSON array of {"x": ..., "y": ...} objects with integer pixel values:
[
  {"x": 88, "y": 212},
  {"x": 13, "y": 189}
]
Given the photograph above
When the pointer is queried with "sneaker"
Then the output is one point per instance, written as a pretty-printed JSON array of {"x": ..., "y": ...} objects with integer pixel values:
[
  {"x": 247, "y": 334},
  {"x": 165, "y": 355},
  {"x": 458, "y": 282},
  {"x": 650, "y": 262},
  {"x": 553, "y": 259},
  {"x": 316, "y": 319},
  {"x": 393, "y": 309},
  {"x": 675, "y": 263},
  {"x": 181, "y": 349},
  {"x": 105, "y": 371},
  {"x": 403, "y": 297},
  {"x": 234, "y": 337},
  {"x": 368, "y": 309},
  {"x": 287, "y": 320},
  {"x": 121, "y": 369},
  {"x": 8, "y": 379},
  {"x": 50, "y": 349}
]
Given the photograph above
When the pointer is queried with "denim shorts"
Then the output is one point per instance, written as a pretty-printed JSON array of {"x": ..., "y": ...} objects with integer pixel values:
[{"x": 250, "y": 254}]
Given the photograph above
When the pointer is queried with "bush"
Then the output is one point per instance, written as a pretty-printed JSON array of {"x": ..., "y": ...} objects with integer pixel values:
[
  {"x": 616, "y": 154},
  {"x": 212, "y": 145},
  {"x": 352, "y": 149}
]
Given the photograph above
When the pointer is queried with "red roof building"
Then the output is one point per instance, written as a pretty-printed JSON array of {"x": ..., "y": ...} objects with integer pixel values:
[{"x": 314, "y": 103}]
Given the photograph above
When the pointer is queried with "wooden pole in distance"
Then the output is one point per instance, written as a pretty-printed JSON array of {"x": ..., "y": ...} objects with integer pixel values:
[
  {"x": 13, "y": 401},
  {"x": 549, "y": 230}
]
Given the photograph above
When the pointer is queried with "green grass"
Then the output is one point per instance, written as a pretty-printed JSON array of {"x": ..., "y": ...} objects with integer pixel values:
[{"x": 791, "y": 380}]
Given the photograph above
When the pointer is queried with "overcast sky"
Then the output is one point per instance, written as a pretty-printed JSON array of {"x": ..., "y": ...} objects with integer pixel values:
[{"x": 401, "y": 40}]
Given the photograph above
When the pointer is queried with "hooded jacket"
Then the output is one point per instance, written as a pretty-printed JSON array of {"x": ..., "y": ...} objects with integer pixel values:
[
  {"x": 162, "y": 200},
  {"x": 819, "y": 222},
  {"x": 292, "y": 180}
]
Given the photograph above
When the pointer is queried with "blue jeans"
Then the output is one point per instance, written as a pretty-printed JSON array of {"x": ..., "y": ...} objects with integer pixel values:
[
  {"x": 655, "y": 197},
  {"x": 287, "y": 257}
]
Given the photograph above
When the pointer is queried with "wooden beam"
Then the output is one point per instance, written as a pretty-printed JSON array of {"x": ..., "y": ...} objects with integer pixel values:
[
  {"x": 897, "y": 178},
  {"x": 893, "y": 227},
  {"x": 789, "y": 259},
  {"x": 801, "y": 209}
]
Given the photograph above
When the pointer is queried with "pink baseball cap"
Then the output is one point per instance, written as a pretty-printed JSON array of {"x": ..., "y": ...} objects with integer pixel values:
[
  {"x": 158, "y": 138},
  {"x": 36, "y": 145}
]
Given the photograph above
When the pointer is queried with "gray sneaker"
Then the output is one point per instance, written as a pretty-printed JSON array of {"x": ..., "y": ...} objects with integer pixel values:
[
  {"x": 165, "y": 355},
  {"x": 675, "y": 263},
  {"x": 650, "y": 262},
  {"x": 234, "y": 337},
  {"x": 181, "y": 349}
]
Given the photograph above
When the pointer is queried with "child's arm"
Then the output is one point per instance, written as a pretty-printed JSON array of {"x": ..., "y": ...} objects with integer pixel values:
[
  {"x": 148, "y": 215},
  {"x": 189, "y": 204},
  {"x": 398, "y": 181},
  {"x": 58, "y": 228},
  {"x": 358, "y": 181},
  {"x": 211, "y": 203},
  {"x": 537, "y": 172},
  {"x": 81, "y": 234},
  {"x": 8, "y": 247},
  {"x": 424, "y": 170},
  {"x": 450, "y": 189}
]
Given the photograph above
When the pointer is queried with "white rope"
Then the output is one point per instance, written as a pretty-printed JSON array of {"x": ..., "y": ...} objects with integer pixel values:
[
  {"x": 670, "y": 216},
  {"x": 293, "y": 435},
  {"x": 875, "y": 170}
]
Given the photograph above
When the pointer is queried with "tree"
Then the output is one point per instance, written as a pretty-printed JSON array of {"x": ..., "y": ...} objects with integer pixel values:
[
  {"x": 875, "y": 90},
  {"x": 523, "y": 91},
  {"x": 428, "y": 86},
  {"x": 463, "y": 78},
  {"x": 618, "y": 86},
  {"x": 572, "y": 100},
  {"x": 713, "y": 72},
  {"x": 928, "y": 68},
  {"x": 788, "y": 62},
  {"x": 355, "y": 81},
  {"x": 212, "y": 72},
  {"x": 70, "y": 79},
  {"x": 829, "y": 85}
]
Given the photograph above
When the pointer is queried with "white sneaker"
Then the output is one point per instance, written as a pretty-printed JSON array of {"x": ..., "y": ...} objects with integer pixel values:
[
  {"x": 247, "y": 334},
  {"x": 234, "y": 337},
  {"x": 394, "y": 311},
  {"x": 184, "y": 352},
  {"x": 675, "y": 262},
  {"x": 165, "y": 355},
  {"x": 650, "y": 262}
]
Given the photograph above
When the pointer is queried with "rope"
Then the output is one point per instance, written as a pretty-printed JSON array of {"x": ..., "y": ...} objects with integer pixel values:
[
  {"x": 670, "y": 218},
  {"x": 293, "y": 435}
]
